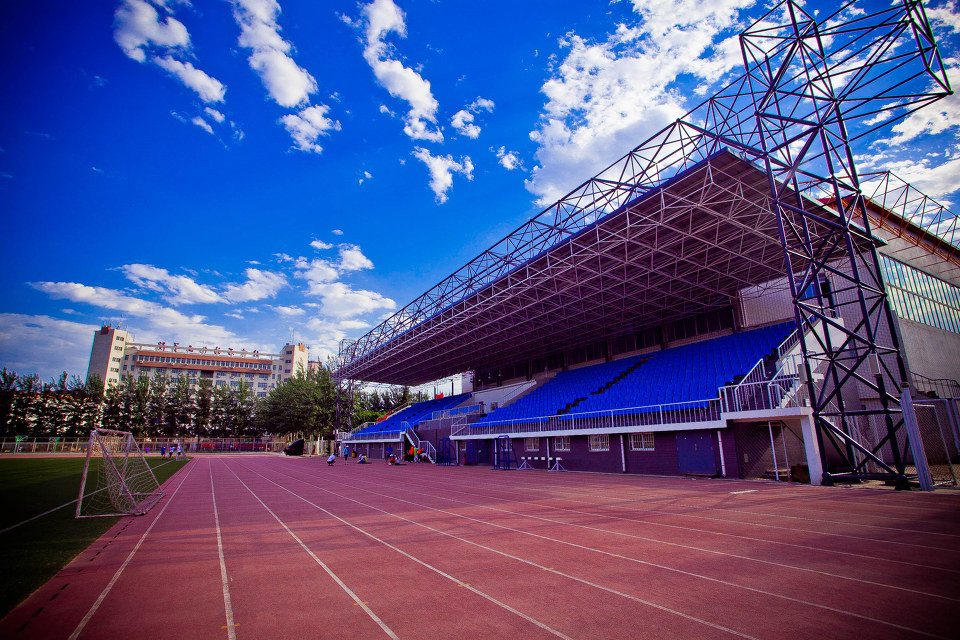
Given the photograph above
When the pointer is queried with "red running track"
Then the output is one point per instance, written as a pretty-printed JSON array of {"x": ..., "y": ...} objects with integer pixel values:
[{"x": 263, "y": 546}]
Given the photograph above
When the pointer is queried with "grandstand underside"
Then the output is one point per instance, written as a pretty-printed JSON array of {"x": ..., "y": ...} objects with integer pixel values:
[{"x": 684, "y": 248}]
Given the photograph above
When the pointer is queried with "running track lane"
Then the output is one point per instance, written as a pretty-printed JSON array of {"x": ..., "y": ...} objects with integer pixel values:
[
  {"x": 711, "y": 592},
  {"x": 424, "y": 551}
]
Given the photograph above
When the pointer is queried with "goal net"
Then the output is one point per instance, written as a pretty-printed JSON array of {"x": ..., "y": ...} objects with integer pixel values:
[{"x": 116, "y": 481}]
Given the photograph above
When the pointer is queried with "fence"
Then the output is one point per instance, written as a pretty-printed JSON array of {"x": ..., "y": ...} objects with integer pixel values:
[
  {"x": 770, "y": 450},
  {"x": 939, "y": 428},
  {"x": 24, "y": 444}
]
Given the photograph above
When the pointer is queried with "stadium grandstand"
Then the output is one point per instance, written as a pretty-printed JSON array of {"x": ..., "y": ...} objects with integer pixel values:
[{"x": 731, "y": 298}]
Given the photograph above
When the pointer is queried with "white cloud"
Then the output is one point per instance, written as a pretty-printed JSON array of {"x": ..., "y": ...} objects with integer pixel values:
[
  {"x": 165, "y": 323},
  {"x": 307, "y": 126},
  {"x": 383, "y": 17},
  {"x": 320, "y": 245},
  {"x": 946, "y": 17},
  {"x": 352, "y": 259},
  {"x": 366, "y": 176},
  {"x": 44, "y": 345},
  {"x": 509, "y": 160},
  {"x": 605, "y": 97},
  {"x": 315, "y": 272},
  {"x": 336, "y": 232},
  {"x": 143, "y": 35},
  {"x": 208, "y": 88},
  {"x": 441, "y": 170},
  {"x": 203, "y": 124},
  {"x": 934, "y": 119},
  {"x": 179, "y": 289},
  {"x": 213, "y": 113},
  {"x": 339, "y": 300},
  {"x": 288, "y": 84},
  {"x": 462, "y": 121},
  {"x": 325, "y": 334},
  {"x": 138, "y": 26},
  {"x": 934, "y": 180},
  {"x": 288, "y": 312},
  {"x": 481, "y": 103},
  {"x": 259, "y": 285}
]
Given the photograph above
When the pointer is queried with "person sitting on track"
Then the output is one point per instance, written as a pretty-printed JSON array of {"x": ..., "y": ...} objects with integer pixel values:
[
  {"x": 362, "y": 460},
  {"x": 331, "y": 459},
  {"x": 392, "y": 459}
]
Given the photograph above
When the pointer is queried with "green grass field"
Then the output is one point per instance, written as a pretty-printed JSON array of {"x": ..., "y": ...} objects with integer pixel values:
[{"x": 34, "y": 552}]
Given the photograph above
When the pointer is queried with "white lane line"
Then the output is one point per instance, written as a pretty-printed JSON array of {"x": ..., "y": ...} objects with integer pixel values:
[
  {"x": 622, "y": 557},
  {"x": 507, "y": 555},
  {"x": 599, "y": 514},
  {"x": 872, "y": 583},
  {"x": 320, "y": 562},
  {"x": 116, "y": 576},
  {"x": 228, "y": 606},
  {"x": 635, "y": 497},
  {"x": 460, "y": 583},
  {"x": 565, "y": 492}
]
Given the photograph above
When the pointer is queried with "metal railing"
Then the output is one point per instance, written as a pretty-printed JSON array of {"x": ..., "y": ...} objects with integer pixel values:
[
  {"x": 673, "y": 413},
  {"x": 449, "y": 413},
  {"x": 415, "y": 440},
  {"x": 791, "y": 341},
  {"x": 389, "y": 436},
  {"x": 939, "y": 387}
]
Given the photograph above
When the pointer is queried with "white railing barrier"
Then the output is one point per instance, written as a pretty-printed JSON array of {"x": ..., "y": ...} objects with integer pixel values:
[
  {"x": 449, "y": 413},
  {"x": 415, "y": 440},
  {"x": 674, "y": 413}
]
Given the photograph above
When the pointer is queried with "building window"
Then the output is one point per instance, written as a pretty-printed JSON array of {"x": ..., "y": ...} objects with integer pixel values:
[
  {"x": 918, "y": 296},
  {"x": 262, "y": 385},
  {"x": 561, "y": 443},
  {"x": 641, "y": 441},
  {"x": 600, "y": 442},
  {"x": 532, "y": 444},
  {"x": 220, "y": 383}
]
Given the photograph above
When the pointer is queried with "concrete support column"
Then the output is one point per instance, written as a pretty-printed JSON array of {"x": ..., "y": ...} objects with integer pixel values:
[{"x": 812, "y": 445}]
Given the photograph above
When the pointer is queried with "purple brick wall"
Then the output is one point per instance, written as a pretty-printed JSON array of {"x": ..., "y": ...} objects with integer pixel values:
[{"x": 661, "y": 461}]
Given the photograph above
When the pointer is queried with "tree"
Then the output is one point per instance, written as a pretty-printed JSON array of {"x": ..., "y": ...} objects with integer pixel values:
[
  {"x": 220, "y": 420},
  {"x": 25, "y": 403},
  {"x": 242, "y": 409},
  {"x": 181, "y": 408},
  {"x": 158, "y": 401},
  {"x": 203, "y": 400},
  {"x": 8, "y": 392},
  {"x": 304, "y": 405}
]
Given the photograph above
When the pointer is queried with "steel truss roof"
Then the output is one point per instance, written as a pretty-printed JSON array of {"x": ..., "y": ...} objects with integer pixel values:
[{"x": 684, "y": 248}]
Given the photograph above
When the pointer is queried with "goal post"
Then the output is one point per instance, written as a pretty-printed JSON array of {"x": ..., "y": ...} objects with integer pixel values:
[{"x": 116, "y": 480}]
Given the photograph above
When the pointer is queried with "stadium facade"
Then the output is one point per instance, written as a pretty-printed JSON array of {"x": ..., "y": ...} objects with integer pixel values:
[
  {"x": 114, "y": 356},
  {"x": 730, "y": 298}
]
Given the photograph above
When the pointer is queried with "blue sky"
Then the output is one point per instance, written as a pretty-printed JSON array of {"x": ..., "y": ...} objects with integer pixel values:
[{"x": 243, "y": 173}]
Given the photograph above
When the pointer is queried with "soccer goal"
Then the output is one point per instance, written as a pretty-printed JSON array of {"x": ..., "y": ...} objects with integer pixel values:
[{"x": 116, "y": 481}]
